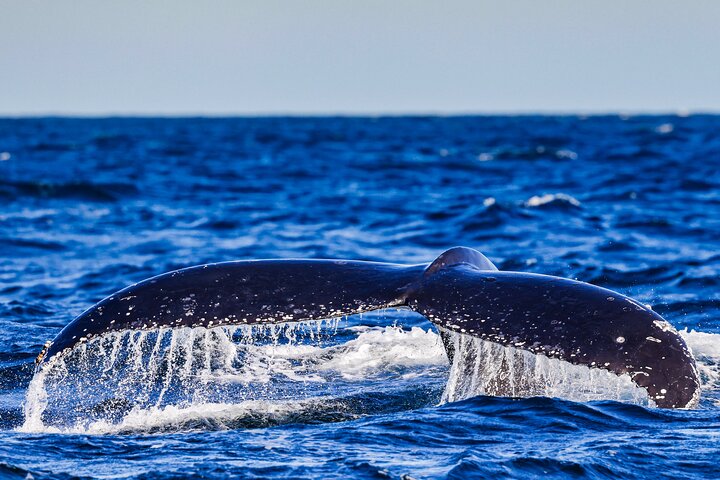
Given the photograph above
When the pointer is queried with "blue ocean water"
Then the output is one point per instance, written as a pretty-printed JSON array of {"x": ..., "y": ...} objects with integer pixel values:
[{"x": 88, "y": 206}]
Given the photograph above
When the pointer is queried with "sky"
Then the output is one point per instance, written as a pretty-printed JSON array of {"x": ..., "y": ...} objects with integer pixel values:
[{"x": 247, "y": 57}]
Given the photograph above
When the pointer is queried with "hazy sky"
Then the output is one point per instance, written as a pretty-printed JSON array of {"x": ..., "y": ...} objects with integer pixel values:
[{"x": 335, "y": 56}]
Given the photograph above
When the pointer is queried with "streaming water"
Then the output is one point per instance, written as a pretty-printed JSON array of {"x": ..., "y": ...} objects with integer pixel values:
[
  {"x": 251, "y": 376},
  {"x": 312, "y": 370},
  {"x": 487, "y": 368}
]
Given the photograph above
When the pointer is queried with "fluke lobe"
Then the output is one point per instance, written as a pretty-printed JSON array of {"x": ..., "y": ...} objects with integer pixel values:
[{"x": 461, "y": 292}]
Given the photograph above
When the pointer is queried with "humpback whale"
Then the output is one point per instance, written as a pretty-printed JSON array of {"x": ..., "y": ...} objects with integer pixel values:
[{"x": 460, "y": 292}]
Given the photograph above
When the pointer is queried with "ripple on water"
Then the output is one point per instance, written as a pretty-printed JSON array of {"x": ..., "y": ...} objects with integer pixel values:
[{"x": 91, "y": 205}]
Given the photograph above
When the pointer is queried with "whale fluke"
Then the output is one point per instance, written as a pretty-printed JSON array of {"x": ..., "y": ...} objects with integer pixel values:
[
  {"x": 461, "y": 291},
  {"x": 572, "y": 321}
]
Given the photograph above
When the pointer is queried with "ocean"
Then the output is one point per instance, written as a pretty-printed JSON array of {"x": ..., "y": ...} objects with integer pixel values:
[{"x": 91, "y": 205}]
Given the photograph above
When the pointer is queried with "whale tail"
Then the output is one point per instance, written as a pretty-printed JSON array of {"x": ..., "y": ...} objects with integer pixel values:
[
  {"x": 460, "y": 292},
  {"x": 563, "y": 319}
]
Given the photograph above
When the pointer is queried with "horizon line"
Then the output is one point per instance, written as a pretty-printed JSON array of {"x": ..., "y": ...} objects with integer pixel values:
[{"x": 367, "y": 114}]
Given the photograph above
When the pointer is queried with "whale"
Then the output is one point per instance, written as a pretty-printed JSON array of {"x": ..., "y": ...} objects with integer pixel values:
[{"x": 461, "y": 292}]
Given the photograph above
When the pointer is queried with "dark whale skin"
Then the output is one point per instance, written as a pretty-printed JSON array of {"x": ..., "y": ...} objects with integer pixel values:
[{"x": 461, "y": 291}]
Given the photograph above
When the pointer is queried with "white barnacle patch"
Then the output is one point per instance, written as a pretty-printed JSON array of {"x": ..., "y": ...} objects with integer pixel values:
[
  {"x": 620, "y": 340},
  {"x": 664, "y": 326},
  {"x": 653, "y": 339},
  {"x": 633, "y": 302}
]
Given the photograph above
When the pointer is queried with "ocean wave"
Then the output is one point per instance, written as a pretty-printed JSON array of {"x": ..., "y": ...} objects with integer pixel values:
[
  {"x": 112, "y": 201},
  {"x": 549, "y": 200}
]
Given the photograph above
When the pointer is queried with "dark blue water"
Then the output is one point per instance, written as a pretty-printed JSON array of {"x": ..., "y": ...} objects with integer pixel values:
[{"x": 88, "y": 206}]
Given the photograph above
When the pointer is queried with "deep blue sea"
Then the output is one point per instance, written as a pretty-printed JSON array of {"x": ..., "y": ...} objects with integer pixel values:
[{"x": 89, "y": 206}]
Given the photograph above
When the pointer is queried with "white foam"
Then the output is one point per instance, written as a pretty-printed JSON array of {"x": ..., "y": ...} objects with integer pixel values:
[
  {"x": 218, "y": 416},
  {"x": 376, "y": 349},
  {"x": 538, "y": 201},
  {"x": 665, "y": 128},
  {"x": 566, "y": 153},
  {"x": 703, "y": 344},
  {"x": 706, "y": 350}
]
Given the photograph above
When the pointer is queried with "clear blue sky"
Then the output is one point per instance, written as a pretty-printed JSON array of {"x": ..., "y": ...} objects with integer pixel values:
[{"x": 364, "y": 56}]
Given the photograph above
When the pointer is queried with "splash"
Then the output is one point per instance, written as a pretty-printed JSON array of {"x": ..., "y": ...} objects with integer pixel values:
[
  {"x": 706, "y": 349},
  {"x": 241, "y": 375},
  {"x": 486, "y": 368},
  {"x": 261, "y": 375}
]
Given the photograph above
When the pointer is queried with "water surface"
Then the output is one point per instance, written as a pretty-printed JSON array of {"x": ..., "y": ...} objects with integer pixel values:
[{"x": 88, "y": 206}]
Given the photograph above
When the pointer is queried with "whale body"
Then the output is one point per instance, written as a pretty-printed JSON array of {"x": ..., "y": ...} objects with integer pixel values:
[{"x": 460, "y": 292}]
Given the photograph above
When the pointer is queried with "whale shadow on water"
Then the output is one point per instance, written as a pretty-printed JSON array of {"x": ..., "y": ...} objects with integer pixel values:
[{"x": 505, "y": 333}]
